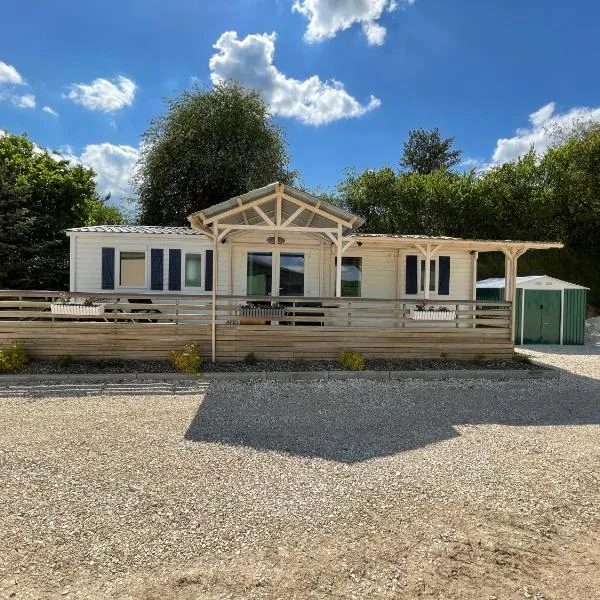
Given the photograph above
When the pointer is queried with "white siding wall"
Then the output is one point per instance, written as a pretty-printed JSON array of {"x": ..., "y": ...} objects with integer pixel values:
[
  {"x": 383, "y": 269},
  {"x": 86, "y": 268}
]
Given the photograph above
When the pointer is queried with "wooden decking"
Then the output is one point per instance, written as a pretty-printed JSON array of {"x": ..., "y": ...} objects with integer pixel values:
[{"x": 379, "y": 328}]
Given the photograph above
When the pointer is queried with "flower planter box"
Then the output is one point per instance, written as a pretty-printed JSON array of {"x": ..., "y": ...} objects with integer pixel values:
[
  {"x": 76, "y": 309},
  {"x": 262, "y": 312},
  {"x": 433, "y": 315}
]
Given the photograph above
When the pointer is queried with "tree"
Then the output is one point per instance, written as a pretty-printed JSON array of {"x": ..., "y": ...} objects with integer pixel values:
[
  {"x": 210, "y": 145},
  {"x": 41, "y": 195},
  {"x": 426, "y": 152}
]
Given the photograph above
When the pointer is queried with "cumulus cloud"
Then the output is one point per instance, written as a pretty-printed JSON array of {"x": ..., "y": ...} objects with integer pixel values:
[
  {"x": 327, "y": 17},
  {"x": 9, "y": 75},
  {"x": 50, "y": 111},
  {"x": 544, "y": 123},
  {"x": 25, "y": 101},
  {"x": 113, "y": 164},
  {"x": 312, "y": 101},
  {"x": 104, "y": 95}
]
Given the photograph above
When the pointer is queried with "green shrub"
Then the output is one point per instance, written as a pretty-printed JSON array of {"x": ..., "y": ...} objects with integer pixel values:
[
  {"x": 354, "y": 361},
  {"x": 250, "y": 358},
  {"x": 13, "y": 358},
  {"x": 187, "y": 360},
  {"x": 64, "y": 360}
]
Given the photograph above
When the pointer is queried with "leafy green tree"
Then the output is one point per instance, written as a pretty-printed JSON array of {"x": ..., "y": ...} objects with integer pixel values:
[
  {"x": 41, "y": 196},
  {"x": 210, "y": 145},
  {"x": 426, "y": 152}
]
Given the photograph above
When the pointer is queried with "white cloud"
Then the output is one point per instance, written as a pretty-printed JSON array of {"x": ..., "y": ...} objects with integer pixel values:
[
  {"x": 113, "y": 164},
  {"x": 312, "y": 101},
  {"x": 9, "y": 75},
  {"x": 25, "y": 101},
  {"x": 544, "y": 123},
  {"x": 50, "y": 111},
  {"x": 327, "y": 17},
  {"x": 104, "y": 95}
]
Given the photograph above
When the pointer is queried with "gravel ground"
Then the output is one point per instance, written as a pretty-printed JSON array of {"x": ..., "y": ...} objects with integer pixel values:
[
  {"x": 357, "y": 489},
  {"x": 44, "y": 367}
]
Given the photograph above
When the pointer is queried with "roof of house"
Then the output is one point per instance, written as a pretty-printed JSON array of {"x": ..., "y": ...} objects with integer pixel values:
[
  {"x": 139, "y": 229},
  {"x": 239, "y": 211},
  {"x": 529, "y": 281}
]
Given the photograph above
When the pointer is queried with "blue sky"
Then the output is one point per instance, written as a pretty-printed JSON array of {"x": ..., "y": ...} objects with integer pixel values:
[{"x": 347, "y": 79}]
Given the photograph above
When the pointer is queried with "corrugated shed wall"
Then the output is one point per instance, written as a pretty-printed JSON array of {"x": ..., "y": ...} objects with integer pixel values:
[
  {"x": 574, "y": 319},
  {"x": 490, "y": 293}
]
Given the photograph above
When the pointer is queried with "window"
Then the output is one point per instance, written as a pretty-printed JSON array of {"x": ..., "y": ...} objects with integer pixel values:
[
  {"x": 259, "y": 274},
  {"x": 431, "y": 275},
  {"x": 291, "y": 274},
  {"x": 193, "y": 270},
  {"x": 132, "y": 269},
  {"x": 351, "y": 276}
]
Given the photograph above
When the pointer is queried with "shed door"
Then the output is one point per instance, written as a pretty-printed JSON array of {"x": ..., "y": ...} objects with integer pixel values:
[{"x": 542, "y": 317}]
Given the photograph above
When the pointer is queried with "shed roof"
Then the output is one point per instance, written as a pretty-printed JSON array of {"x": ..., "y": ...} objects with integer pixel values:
[{"x": 531, "y": 282}]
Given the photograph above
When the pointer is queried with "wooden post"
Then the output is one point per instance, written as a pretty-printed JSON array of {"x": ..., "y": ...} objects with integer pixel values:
[
  {"x": 338, "y": 266},
  {"x": 214, "y": 291},
  {"x": 475, "y": 256}
]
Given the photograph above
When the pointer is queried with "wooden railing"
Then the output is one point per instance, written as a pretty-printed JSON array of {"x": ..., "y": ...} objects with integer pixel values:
[{"x": 261, "y": 310}]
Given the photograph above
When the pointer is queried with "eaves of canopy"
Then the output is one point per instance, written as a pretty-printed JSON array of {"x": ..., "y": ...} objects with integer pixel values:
[{"x": 275, "y": 208}]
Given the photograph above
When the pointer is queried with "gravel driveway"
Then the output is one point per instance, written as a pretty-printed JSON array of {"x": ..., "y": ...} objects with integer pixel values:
[{"x": 354, "y": 489}]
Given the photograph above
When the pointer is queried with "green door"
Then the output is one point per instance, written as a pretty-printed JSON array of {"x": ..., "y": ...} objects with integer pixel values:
[{"x": 542, "y": 317}]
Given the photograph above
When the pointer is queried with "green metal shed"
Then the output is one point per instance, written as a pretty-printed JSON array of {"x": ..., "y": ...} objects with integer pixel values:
[{"x": 549, "y": 311}]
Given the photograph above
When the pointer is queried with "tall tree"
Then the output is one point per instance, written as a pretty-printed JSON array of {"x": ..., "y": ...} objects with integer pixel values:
[
  {"x": 210, "y": 145},
  {"x": 426, "y": 152},
  {"x": 41, "y": 196}
]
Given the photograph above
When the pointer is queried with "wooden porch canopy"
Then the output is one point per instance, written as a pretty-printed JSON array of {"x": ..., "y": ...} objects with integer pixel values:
[{"x": 278, "y": 208}]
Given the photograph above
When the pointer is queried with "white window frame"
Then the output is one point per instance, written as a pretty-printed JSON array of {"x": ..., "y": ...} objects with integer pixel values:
[
  {"x": 184, "y": 254},
  {"x": 422, "y": 276},
  {"x": 120, "y": 250}
]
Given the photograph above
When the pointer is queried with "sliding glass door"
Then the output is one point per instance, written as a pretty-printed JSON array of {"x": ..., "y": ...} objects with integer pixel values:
[
  {"x": 291, "y": 274},
  {"x": 269, "y": 272},
  {"x": 260, "y": 274}
]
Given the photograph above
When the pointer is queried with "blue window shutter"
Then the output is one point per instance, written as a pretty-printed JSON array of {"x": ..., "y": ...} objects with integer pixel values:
[
  {"x": 108, "y": 268},
  {"x": 444, "y": 277},
  {"x": 208, "y": 271},
  {"x": 174, "y": 269},
  {"x": 156, "y": 268},
  {"x": 411, "y": 274}
]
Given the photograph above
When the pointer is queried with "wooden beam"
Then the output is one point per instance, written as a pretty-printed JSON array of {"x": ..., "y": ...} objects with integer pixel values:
[
  {"x": 291, "y": 219},
  {"x": 241, "y": 205},
  {"x": 275, "y": 228},
  {"x": 331, "y": 237},
  {"x": 223, "y": 234},
  {"x": 347, "y": 245},
  {"x": 214, "y": 292},
  {"x": 312, "y": 216},
  {"x": 338, "y": 270},
  {"x": 235, "y": 211},
  {"x": 319, "y": 212},
  {"x": 278, "y": 208},
  {"x": 263, "y": 215}
]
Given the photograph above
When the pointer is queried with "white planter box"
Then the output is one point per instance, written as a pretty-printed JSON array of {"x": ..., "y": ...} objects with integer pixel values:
[
  {"x": 433, "y": 315},
  {"x": 76, "y": 309}
]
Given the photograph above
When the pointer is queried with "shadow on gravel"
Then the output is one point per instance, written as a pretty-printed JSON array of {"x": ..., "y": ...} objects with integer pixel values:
[{"x": 356, "y": 421}]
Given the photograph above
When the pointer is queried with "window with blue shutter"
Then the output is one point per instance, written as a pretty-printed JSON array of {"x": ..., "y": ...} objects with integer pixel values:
[
  {"x": 174, "y": 269},
  {"x": 108, "y": 268},
  {"x": 208, "y": 271},
  {"x": 412, "y": 283},
  {"x": 156, "y": 268},
  {"x": 444, "y": 281}
]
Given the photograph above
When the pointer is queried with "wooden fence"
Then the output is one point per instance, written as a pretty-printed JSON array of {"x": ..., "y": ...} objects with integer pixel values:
[{"x": 148, "y": 326}]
